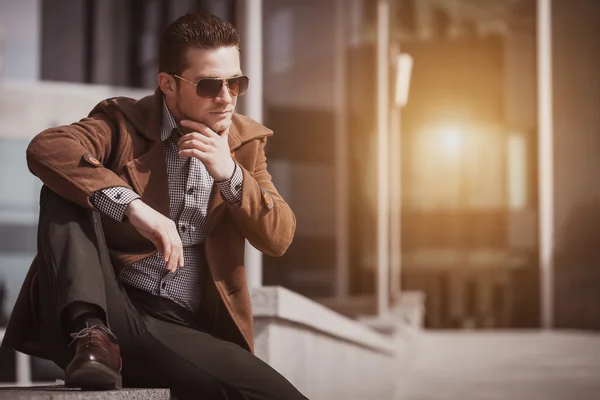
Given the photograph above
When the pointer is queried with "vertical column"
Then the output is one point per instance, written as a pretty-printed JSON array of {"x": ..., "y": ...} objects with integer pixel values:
[
  {"x": 403, "y": 75},
  {"x": 342, "y": 263},
  {"x": 395, "y": 155},
  {"x": 250, "y": 26},
  {"x": 545, "y": 167},
  {"x": 382, "y": 158}
]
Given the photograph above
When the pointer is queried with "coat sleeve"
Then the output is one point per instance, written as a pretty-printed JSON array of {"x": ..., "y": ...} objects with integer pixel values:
[
  {"x": 264, "y": 217},
  {"x": 70, "y": 159}
]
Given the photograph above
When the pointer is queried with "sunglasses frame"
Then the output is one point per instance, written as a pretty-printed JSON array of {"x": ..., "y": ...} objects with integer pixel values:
[{"x": 223, "y": 82}]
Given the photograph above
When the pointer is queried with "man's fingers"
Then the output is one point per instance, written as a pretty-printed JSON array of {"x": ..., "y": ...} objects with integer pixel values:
[
  {"x": 177, "y": 261},
  {"x": 200, "y": 155},
  {"x": 193, "y": 136},
  {"x": 181, "y": 262},
  {"x": 195, "y": 144},
  {"x": 179, "y": 244},
  {"x": 172, "y": 264},
  {"x": 158, "y": 244},
  {"x": 169, "y": 261},
  {"x": 162, "y": 245},
  {"x": 166, "y": 246},
  {"x": 176, "y": 250}
]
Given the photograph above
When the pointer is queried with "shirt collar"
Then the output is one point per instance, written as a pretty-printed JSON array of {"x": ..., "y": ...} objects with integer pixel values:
[{"x": 168, "y": 122}]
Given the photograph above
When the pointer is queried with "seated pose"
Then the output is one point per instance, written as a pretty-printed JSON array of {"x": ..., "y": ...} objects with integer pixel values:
[{"x": 139, "y": 278}]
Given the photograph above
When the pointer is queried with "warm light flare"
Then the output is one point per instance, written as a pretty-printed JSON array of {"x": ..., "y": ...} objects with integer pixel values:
[{"x": 451, "y": 138}]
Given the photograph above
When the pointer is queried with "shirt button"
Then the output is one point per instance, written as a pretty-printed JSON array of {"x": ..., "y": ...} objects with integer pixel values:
[{"x": 190, "y": 190}]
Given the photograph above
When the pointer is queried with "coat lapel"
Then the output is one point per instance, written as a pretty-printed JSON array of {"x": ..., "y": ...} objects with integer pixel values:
[
  {"x": 242, "y": 131},
  {"x": 148, "y": 172}
]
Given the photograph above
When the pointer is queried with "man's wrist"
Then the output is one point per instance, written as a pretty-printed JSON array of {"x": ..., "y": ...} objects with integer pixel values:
[
  {"x": 230, "y": 175},
  {"x": 132, "y": 205},
  {"x": 231, "y": 189}
]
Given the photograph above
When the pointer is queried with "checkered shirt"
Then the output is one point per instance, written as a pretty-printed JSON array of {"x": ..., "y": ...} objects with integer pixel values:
[{"x": 190, "y": 186}]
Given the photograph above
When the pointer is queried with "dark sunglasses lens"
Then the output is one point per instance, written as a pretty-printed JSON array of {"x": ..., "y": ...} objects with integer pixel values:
[
  {"x": 238, "y": 85},
  {"x": 209, "y": 87}
]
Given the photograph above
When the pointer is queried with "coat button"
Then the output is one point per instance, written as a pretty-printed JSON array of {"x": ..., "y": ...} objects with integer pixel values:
[
  {"x": 183, "y": 228},
  {"x": 164, "y": 285},
  {"x": 190, "y": 190}
]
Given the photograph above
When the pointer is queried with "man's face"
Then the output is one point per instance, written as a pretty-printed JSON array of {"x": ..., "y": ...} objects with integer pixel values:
[{"x": 216, "y": 112}]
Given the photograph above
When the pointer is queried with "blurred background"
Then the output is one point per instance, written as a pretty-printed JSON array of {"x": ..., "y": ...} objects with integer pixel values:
[{"x": 461, "y": 170}]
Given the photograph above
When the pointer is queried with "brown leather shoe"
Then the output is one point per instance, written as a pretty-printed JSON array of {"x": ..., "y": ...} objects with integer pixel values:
[{"x": 97, "y": 361}]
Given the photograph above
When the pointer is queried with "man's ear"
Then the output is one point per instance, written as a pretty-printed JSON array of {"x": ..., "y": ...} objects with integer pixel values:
[{"x": 167, "y": 83}]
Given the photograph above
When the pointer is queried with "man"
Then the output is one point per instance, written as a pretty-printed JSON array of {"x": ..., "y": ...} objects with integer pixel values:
[{"x": 139, "y": 278}]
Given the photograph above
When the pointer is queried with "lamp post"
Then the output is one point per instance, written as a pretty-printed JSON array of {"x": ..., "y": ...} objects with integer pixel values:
[
  {"x": 545, "y": 165},
  {"x": 383, "y": 213},
  {"x": 342, "y": 263},
  {"x": 404, "y": 63}
]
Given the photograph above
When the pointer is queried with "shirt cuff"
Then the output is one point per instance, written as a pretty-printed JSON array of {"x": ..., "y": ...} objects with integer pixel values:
[
  {"x": 231, "y": 189},
  {"x": 113, "y": 201}
]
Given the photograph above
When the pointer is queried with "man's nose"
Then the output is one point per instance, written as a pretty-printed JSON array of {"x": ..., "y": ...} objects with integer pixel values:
[{"x": 224, "y": 96}]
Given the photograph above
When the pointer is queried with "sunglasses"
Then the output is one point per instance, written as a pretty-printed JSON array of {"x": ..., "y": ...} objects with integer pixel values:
[{"x": 211, "y": 87}]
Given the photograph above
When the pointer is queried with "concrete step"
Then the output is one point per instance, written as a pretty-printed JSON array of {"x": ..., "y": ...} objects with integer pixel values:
[{"x": 63, "y": 393}]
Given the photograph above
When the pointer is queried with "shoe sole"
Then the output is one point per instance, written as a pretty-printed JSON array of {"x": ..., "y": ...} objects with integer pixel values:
[{"x": 94, "y": 376}]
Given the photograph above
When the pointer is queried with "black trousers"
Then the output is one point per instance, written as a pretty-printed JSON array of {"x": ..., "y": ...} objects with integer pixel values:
[{"x": 162, "y": 344}]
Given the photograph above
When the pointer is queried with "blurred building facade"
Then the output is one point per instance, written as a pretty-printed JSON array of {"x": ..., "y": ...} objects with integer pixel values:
[
  {"x": 469, "y": 169},
  {"x": 470, "y": 162}
]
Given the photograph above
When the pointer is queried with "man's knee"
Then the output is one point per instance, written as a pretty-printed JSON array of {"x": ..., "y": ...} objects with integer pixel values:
[{"x": 54, "y": 208}]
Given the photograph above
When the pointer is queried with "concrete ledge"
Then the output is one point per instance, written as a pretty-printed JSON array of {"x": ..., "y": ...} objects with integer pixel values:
[
  {"x": 62, "y": 393},
  {"x": 285, "y": 305},
  {"x": 324, "y": 354}
]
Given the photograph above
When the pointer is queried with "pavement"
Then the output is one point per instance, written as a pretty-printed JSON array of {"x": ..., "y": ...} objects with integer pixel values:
[{"x": 499, "y": 365}]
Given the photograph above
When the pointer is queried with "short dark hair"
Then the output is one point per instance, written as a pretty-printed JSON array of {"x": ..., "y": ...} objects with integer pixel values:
[{"x": 201, "y": 30}]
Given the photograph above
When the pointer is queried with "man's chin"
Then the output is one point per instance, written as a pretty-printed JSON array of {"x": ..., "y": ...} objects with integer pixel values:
[{"x": 221, "y": 125}]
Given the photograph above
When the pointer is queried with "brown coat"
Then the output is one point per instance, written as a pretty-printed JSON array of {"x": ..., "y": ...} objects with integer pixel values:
[{"x": 124, "y": 136}]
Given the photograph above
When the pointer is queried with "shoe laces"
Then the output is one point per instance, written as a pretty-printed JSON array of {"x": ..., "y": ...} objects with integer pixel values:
[{"x": 88, "y": 331}]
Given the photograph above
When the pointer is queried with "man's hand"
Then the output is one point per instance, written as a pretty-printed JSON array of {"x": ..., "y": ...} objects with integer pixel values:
[
  {"x": 159, "y": 229},
  {"x": 208, "y": 147}
]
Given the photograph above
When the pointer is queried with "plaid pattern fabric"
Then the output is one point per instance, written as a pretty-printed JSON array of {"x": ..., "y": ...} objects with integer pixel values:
[
  {"x": 190, "y": 186},
  {"x": 113, "y": 201}
]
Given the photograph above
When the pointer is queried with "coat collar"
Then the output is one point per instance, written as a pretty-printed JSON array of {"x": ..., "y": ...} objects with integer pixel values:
[{"x": 146, "y": 116}]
